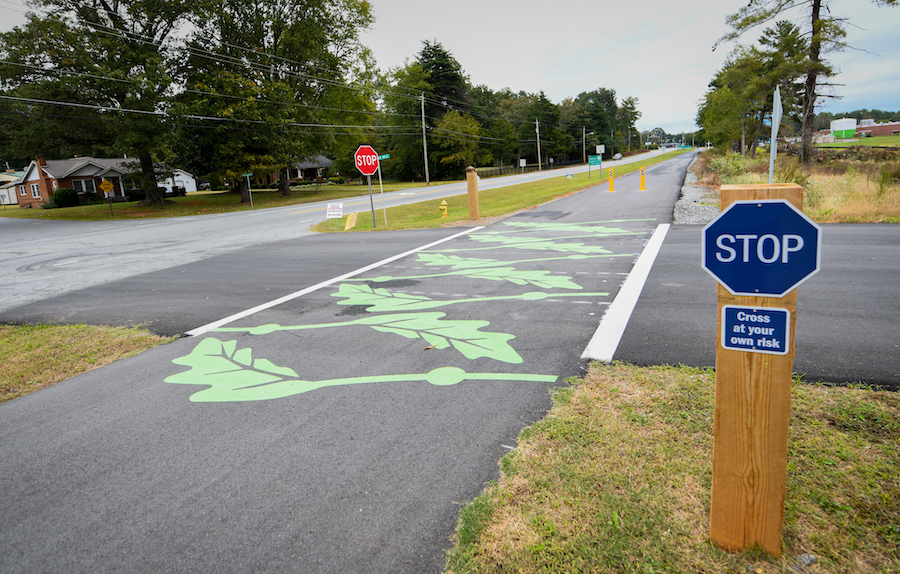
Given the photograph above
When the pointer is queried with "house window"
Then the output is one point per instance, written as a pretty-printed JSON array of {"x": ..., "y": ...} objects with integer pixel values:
[
  {"x": 22, "y": 190},
  {"x": 83, "y": 185},
  {"x": 55, "y": 185},
  {"x": 35, "y": 191}
]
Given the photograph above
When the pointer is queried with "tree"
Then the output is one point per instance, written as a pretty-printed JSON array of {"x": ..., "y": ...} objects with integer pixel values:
[
  {"x": 261, "y": 75},
  {"x": 449, "y": 87},
  {"x": 602, "y": 111},
  {"x": 629, "y": 115},
  {"x": 99, "y": 70},
  {"x": 401, "y": 92},
  {"x": 457, "y": 136},
  {"x": 751, "y": 76},
  {"x": 825, "y": 34}
]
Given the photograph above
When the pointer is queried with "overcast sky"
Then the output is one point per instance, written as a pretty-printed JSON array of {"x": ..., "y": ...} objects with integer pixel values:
[{"x": 655, "y": 50}]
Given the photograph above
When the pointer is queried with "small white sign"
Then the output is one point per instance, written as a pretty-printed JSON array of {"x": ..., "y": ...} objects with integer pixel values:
[
  {"x": 334, "y": 210},
  {"x": 601, "y": 149}
]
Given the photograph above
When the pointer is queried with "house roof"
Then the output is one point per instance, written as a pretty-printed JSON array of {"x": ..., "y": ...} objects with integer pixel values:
[
  {"x": 318, "y": 161},
  {"x": 11, "y": 176},
  {"x": 62, "y": 168}
]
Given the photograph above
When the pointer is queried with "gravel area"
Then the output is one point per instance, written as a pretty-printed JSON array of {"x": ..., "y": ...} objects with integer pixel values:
[{"x": 698, "y": 204}]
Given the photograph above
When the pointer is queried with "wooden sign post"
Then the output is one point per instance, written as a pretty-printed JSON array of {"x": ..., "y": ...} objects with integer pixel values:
[
  {"x": 754, "y": 368},
  {"x": 472, "y": 185}
]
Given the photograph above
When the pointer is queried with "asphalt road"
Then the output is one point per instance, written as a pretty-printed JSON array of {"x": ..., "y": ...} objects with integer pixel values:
[
  {"x": 45, "y": 258},
  {"x": 341, "y": 429}
]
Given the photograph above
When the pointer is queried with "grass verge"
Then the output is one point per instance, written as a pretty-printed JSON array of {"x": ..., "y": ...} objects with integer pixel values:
[
  {"x": 837, "y": 190},
  {"x": 201, "y": 203},
  {"x": 36, "y": 356},
  {"x": 617, "y": 479},
  {"x": 492, "y": 203}
]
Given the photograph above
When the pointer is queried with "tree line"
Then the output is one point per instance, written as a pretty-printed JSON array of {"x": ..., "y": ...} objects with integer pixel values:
[
  {"x": 736, "y": 111},
  {"x": 242, "y": 86}
]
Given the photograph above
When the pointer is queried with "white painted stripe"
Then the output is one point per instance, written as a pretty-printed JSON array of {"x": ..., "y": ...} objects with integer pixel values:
[
  {"x": 606, "y": 339},
  {"x": 292, "y": 296}
]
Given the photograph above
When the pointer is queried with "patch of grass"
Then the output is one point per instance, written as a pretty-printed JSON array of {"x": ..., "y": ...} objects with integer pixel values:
[
  {"x": 880, "y": 141},
  {"x": 617, "y": 478},
  {"x": 36, "y": 356},
  {"x": 836, "y": 191},
  {"x": 203, "y": 203},
  {"x": 492, "y": 203}
]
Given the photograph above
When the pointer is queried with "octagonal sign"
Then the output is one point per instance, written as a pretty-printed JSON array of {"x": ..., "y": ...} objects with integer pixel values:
[
  {"x": 366, "y": 159},
  {"x": 761, "y": 248}
]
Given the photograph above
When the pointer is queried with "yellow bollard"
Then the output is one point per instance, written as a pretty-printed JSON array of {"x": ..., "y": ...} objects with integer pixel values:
[
  {"x": 611, "y": 188},
  {"x": 444, "y": 208},
  {"x": 643, "y": 181}
]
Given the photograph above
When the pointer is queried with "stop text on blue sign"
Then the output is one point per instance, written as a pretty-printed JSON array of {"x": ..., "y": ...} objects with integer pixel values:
[
  {"x": 756, "y": 330},
  {"x": 761, "y": 248}
]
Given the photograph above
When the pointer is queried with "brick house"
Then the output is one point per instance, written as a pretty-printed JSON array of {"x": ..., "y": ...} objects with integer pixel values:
[{"x": 83, "y": 174}]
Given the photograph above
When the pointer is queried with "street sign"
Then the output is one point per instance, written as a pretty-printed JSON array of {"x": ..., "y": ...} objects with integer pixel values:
[
  {"x": 334, "y": 210},
  {"x": 594, "y": 160},
  {"x": 761, "y": 248},
  {"x": 106, "y": 186},
  {"x": 756, "y": 330},
  {"x": 366, "y": 159},
  {"x": 384, "y": 156}
]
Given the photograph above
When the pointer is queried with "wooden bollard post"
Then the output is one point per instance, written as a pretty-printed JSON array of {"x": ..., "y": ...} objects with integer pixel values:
[
  {"x": 472, "y": 181},
  {"x": 752, "y": 408}
]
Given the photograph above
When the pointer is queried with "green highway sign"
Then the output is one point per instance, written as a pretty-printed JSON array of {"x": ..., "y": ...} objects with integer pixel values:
[
  {"x": 384, "y": 156},
  {"x": 593, "y": 160}
]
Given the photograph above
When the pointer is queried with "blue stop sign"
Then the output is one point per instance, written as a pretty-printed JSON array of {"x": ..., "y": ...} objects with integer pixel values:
[{"x": 762, "y": 248}]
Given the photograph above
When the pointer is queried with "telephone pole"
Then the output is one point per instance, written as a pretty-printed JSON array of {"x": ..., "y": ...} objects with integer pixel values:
[
  {"x": 425, "y": 142},
  {"x": 537, "y": 130}
]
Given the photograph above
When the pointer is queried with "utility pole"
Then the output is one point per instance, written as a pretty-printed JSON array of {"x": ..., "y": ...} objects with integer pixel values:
[
  {"x": 583, "y": 148},
  {"x": 537, "y": 130},
  {"x": 425, "y": 142}
]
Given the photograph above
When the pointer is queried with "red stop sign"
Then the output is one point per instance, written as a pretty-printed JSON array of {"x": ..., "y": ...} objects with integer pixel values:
[{"x": 366, "y": 159}]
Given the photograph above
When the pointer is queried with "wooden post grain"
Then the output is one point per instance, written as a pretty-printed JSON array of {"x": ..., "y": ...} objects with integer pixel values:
[
  {"x": 472, "y": 181},
  {"x": 753, "y": 404}
]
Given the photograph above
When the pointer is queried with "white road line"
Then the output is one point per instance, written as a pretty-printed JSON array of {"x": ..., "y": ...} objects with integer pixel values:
[
  {"x": 606, "y": 339},
  {"x": 296, "y": 294}
]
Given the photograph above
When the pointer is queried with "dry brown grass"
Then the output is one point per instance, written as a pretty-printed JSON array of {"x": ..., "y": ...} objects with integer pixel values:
[
  {"x": 838, "y": 190},
  {"x": 36, "y": 356}
]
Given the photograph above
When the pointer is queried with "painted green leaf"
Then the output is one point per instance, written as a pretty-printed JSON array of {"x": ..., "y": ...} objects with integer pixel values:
[
  {"x": 539, "y": 278},
  {"x": 538, "y": 244},
  {"x": 457, "y": 262},
  {"x": 464, "y": 335},
  {"x": 232, "y": 375},
  {"x": 381, "y": 300},
  {"x": 598, "y": 229}
]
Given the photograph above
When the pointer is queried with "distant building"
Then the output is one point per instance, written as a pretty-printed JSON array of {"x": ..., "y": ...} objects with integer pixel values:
[
  {"x": 86, "y": 175},
  {"x": 8, "y": 181},
  {"x": 868, "y": 128},
  {"x": 844, "y": 128}
]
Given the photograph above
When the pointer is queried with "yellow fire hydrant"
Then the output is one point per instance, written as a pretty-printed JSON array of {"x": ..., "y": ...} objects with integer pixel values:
[{"x": 444, "y": 208}]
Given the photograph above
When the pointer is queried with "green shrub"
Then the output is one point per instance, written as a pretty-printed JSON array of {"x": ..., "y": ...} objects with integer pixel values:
[{"x": 65, "y": 197}]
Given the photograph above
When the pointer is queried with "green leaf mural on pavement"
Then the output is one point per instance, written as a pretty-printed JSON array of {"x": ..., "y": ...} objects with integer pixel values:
[
  {"x": 458, "y": 262},
  {"x": 536, "y": 244},
  {"x": 598, "y": 227},
  {"x": 538, "y": 278},
  {"x": 464, "y": 335},
  {"x": 232, "y": 375},
  {"x": 382, "y": 300}
]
